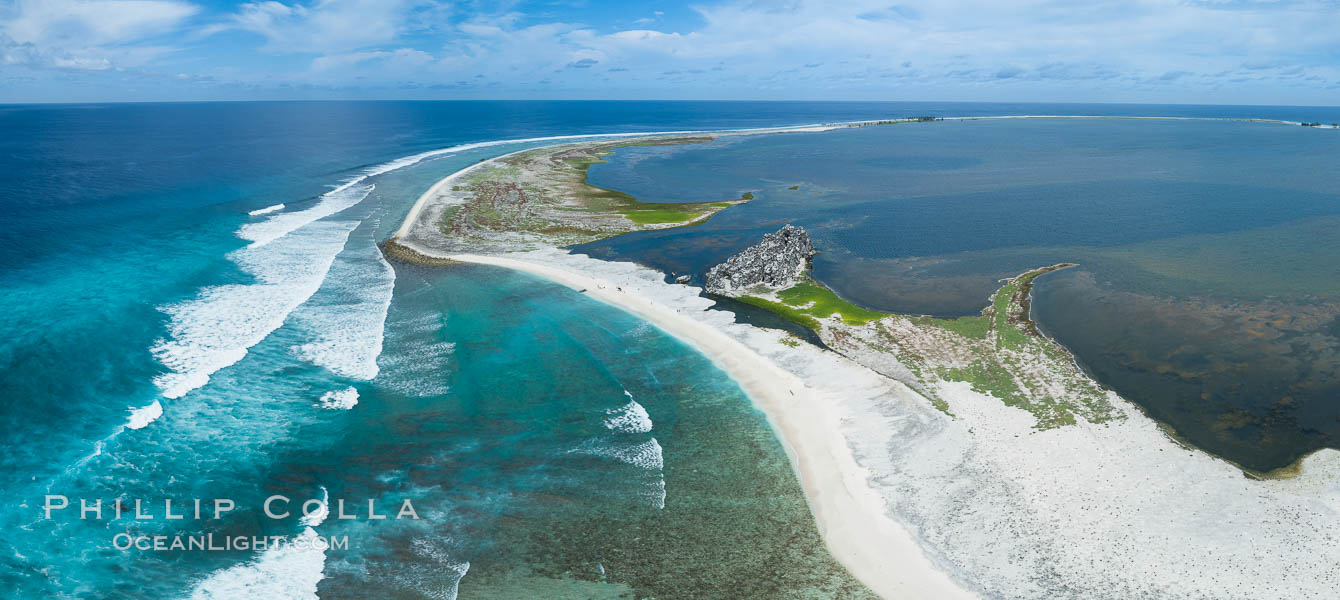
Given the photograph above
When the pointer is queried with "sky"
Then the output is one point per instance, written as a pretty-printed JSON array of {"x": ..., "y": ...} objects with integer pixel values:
[{"x": 1154, "y": 51}]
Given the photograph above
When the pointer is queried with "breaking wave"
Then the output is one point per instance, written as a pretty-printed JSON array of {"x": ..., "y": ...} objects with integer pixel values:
[
  {"x": 144, "y": 415},
  {"x": 346, "y": 319},
  {"x": 278, "y": 226},
  {"x": 344, "y": 399},
  {"x": 629, "y": 418},
  {"x": 290, "y": 256},
  {"x": 216, "y": 328},
  {"x": 290, "y": 571},
  {"x": 267, "y": 210}
]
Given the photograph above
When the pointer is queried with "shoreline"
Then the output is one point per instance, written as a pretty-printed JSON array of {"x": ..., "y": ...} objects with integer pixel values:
[
  {"x": 914, "y": 503},
  {"x": 877, "y": 550},
  {"x": 417, "y": 207},
  {"x": 436, "y": 190}
]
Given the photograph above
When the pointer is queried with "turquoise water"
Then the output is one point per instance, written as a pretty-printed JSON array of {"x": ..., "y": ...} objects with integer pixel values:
[
  {"x": 161, "y": 342},
  {"x": 1208, "y": 290}
]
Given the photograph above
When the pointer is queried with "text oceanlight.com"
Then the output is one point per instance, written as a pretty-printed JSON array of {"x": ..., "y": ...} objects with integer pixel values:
[{"x": 211, "y": 542}]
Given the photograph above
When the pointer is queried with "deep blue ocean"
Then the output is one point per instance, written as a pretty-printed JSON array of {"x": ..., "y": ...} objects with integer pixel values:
[{"x": 172, "y": 332}]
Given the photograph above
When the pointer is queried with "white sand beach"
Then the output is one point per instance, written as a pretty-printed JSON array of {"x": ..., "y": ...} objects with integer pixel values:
[
  {"x": 851, "y": 517},
  {"x": 920, "y": 505}
]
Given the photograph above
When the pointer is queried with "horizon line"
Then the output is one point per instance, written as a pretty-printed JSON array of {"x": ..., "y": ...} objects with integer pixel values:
[{"x": 662, "y": 100}]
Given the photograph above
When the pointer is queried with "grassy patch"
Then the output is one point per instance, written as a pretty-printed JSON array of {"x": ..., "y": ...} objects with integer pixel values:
[
  {"x": 1007, "y": 358},
  {"x": 656, "y": 216},
  {"x": 977, "y": 328},
  {"x": 787, "y": 312},
  {"x": 814, "y": 299},
  {"x": 988, "y": 377},
  {"x": 642, "y": 213},
  {"x": 998, "y": 353},
  {"x": 1007, "y": 335}
]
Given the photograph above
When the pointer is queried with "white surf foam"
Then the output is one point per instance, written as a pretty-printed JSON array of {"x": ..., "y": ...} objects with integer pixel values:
[
  {"x": 290, "y": 572},
  {"x": 401, "y": 163},
  {"x": 432, "y": 572},
  {"x": 217, "y": 327},
  {"x": 143, "y": 416},
  {"x": 421, "y": 367},
  {"x": 267, "y": 210},
  {"x": 656, "y": 493},
  {"x": 629, "y": 418},
  {"x": 646, "y": 455},
  {"x": 290, "y": 254},
  {"x": 277, "y": 226},
  {"x": 347, "y": 194},
  {"x": 632, "y": 418},
  {"x": 346, "y": 319},
  {"x": 318, "y": 517},
  {"x": 344, "y": 399}
]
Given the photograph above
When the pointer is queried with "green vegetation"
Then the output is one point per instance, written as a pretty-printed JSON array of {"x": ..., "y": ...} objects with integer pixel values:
[
  {"x": 787, "y": 312},
  {"x": 999, "y": 353},
  {"x": 816, "y": 300},
  {"x": 987, "y": 378},
  {"x": 808, "y": 301},
  {"x": 1006, "y": 334},
  {"x": 642, "y": 213},
  {"x": 657, "y": 216},
  {"x": 544, "y": 194},
  {"x": 977, "y": 328}
]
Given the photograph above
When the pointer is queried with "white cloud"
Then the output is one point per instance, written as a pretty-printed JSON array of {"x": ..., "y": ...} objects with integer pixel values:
[
  {"x": 395, "y": 60},
  {"x": 329, "y": 25},
  {"x": 1094, "y": 45},
  {"x": 88, "y": 34},
  {"x": 967, "y": 49},
  {"x": 93, "y": 22}
]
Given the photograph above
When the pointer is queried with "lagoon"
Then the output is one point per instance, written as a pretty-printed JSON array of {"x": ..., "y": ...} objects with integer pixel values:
[{"x": 1207, "y": 290}]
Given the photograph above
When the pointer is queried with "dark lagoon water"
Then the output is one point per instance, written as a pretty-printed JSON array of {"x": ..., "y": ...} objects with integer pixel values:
[
  {"x": 160, "y": 342},
  {"x": 1209, "y": 286}
]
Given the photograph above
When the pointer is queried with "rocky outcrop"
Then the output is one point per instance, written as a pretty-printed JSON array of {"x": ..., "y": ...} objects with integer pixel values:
[{"x": 775, "y": 262}]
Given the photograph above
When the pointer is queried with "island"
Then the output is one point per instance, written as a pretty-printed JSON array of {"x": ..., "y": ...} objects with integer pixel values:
[{"x": 945, "y": 458}]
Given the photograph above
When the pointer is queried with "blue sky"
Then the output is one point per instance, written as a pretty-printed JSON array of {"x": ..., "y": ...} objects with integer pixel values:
[{"x": 1191, "y": 51}]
